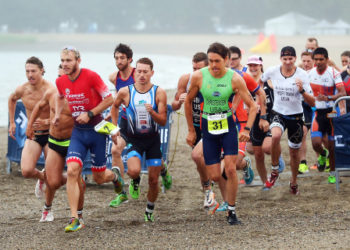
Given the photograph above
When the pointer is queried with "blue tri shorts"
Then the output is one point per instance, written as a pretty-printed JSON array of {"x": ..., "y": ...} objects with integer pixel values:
[
  {"x": 213, "y": 144},
  {"x": 84, "y": 139}
]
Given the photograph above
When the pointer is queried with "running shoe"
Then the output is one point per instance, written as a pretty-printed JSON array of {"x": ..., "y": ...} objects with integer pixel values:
[
  {"x": 149, "y": 217},
  {"x": 303, "y": 168},
  {"x": 272, "y": 180},
  {"x": 119, "y": 183},
  {"x": 232, "y": 218},
  {"x": 73, "y": 226},
  {"x": 281, "y": 164},
  {"x": 322, "y": 161},
  {"x": 210, "y": 204},
  {"x": 332, "y": 179},
  {"x": 167, "y": 179},
  {"x": 40, "y": 189},
  {"x": 119, "y": 199},
  {"x": 46, "y": 216},
  {"x": 248, "y": 171},
  {"x": 134, "y": 189},
  {"x": 223, "y": 207},
  {"x": 81, "y": 221},
  {"x": 293, "y": 189}
]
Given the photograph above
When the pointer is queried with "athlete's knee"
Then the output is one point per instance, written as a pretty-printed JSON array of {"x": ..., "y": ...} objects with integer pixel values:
[
  {"x": 230, "y": 171},
  {"x": 196, "y": 156},
  {"x": 259, "y": 155},
  {"x": 133, "y": 173},
  {"x": 116, "y": 150},
  {"x": 54, "y": 183},
  {"x": 27, "y": 173},
  {"x": 73, "y": 170},
  {"x": 99, "y": 177}
]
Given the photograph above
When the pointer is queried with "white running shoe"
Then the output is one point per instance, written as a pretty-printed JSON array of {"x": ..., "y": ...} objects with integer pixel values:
[
  {"x": 40, "y": 189},
  {"x": 47, "y": 215},
  {"x": 209, "y": 199}
]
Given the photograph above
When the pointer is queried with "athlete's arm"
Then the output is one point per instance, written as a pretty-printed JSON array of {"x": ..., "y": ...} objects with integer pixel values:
[
  {"x": 119, "y": 100},
  {"x": 112, "y": 77},
  {"x": 235, "y": 102},
  {"x": 308, "y": 98},
  {"x": 161, "y": 100},
  {"x": 263, "y": 123},
  {"x": 36, "y": 112},
  {"x": 192, "y": 93},
  {"x": 239, "y": 86},
  {"x": 14, "y": 97},
  {"x": 181, "y": 94}
]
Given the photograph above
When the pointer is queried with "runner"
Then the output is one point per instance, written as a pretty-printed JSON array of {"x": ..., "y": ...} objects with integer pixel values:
[
  {"x": 199, "y": 61},
  {"x": 290, "y": 84},
  {"x": 345, "y": 60},
  {"x": 146, "y": 109},
  {"x": 217, "y": 84},
  {"x": 327, "y": 86},
  {"x": 307, "y": 63},
  {"x": 345, "y": 75},
  {"x": 123, "y": 55},
  {"x": 241, "y": 117},
  {"x": 123, "y": 77},
  {"x": 59, "y": 139},
  {"x": 312, "y": 44},
  {"x": 261, "y": 140},
  {"x": 87, "y": 97},
  {"x": 30, "y": 93},
  {"x": 235, "y": 59}
]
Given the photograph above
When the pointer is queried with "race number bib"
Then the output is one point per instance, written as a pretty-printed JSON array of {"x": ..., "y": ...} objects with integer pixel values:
[{"x": 217, "y": 124}]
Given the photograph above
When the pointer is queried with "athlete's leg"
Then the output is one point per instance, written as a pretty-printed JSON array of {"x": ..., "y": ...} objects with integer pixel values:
[
  {"x": 117, "y": 154},
  {"x": 198, "y": 158},
  {"x": 330, "y": 146},
  {"x": 54, "y": 165},
  {"x": 275, "y": 145},
  {"x": 294, "y": 164},
  {"x": 232, "y": 181},
  {"x": 153, "y": 176},
  {"x": 73, "y": 191},
  {"x": 30, "y": 155},
  {"x": 303, "y": 148},
  {"x": 260, "y": 163}
]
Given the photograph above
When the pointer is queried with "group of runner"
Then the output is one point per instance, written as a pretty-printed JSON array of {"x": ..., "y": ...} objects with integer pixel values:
[{"x": 230, "y": 109}]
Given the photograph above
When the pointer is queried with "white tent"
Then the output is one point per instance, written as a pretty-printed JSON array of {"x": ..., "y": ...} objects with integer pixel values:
[
  {"x": 325, "y": 28},
  {"x": 289, "y": 24}
]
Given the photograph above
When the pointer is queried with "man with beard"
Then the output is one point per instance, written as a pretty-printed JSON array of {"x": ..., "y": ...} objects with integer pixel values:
[
  {"x": 87, "y": 97},
  {"x": 30, "y": 93}
]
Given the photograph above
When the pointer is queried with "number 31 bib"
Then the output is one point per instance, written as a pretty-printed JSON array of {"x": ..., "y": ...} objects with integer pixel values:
[{"x": 217, "y": 124}]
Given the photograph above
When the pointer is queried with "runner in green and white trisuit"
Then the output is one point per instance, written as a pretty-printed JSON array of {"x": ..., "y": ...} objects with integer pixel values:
[{"x": 217, "y": 85}]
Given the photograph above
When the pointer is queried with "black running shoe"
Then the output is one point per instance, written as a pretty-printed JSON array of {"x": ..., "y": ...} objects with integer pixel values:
[{"x": 232, "y": 219}]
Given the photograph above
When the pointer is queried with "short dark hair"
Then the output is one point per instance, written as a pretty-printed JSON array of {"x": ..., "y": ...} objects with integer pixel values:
[
  {"x": 346, "y": 53},
  {"x": 218, "y": 48},
  {"x": 145, "y": 60},
  {"x": 124, "y": 49},
  {"x": 36, "y": 61},
  {"x": 235, "y": 49},
  {"x": 200, "y": 57},
  {"x": 320, "y": 51},
  {"x": 60, "y": 66}
]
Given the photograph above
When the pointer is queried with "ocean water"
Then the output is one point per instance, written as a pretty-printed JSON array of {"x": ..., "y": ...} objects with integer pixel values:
[{"x": 167, "y": 70}]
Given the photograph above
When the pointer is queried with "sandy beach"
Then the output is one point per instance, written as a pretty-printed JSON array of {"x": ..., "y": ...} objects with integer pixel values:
[{"x": 317, "y": 218}]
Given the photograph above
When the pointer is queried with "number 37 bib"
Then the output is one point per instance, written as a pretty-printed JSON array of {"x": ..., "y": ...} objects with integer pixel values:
[{"x": 217, "y": 124}]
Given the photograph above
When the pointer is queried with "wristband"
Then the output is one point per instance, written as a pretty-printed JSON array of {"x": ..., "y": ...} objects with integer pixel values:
[
  {"x": 264, "y": 117},
  {"x": 90, "y": 114},
  {"x": 247, "y": 128},
  {"x": 302, "y": 91}
]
